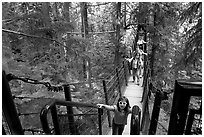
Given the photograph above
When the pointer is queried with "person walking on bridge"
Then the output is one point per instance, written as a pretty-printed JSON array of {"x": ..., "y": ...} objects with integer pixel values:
[
  {"x": 135, "y": 67},
  {"x": 141, "y": 62},
  {"x": 121, "y": 111},
  {"x": 140, "y": 43}
]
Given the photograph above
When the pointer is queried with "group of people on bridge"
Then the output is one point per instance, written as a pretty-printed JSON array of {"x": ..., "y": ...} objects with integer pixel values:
[
  {"x": 122, "y": 108},
  {"x": 136, "y": 62}
]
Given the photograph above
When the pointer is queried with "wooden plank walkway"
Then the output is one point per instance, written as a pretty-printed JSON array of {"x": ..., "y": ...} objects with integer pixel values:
[{"x": 134, "y": 93}]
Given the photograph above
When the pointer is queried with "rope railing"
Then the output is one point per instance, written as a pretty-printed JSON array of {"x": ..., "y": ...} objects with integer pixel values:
[
  {"x": 15, "y": 97},
  {"x": 33, "y": 81}
]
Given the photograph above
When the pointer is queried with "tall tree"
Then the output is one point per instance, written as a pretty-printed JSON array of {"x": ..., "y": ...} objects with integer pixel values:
[
  {"x": 84, "y": 29},
  {"x": 163, "y": 28},
  {"x": 154, "y": 39},
  {"x": 191, "y": 19},
  {"x": 118, "y": 20},
  {"x": 66, "y": 11},
  {"x": 124, "y": 14}
]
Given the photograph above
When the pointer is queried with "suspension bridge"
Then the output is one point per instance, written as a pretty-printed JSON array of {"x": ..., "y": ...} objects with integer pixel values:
[
  {"x": 97, "y": 121},
  {"x": 134, "y": 94},
  {"x": 94, "y": 121}
]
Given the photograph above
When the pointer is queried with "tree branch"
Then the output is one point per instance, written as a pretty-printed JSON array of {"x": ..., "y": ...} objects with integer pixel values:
[
  {"x": 92, "y": 32},
  {"x": 100, "y": 4},
  {"x": 28, "y": 35},
  {"x": 33, "y": 36}
]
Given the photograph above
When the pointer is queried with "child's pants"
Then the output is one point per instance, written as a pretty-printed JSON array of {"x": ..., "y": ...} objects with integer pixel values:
[
  {"x": 135, "y": 74},
  {"x": 117, "y": 129}
]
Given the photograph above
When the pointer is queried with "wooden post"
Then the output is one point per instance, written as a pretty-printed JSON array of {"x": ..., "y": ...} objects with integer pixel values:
[
  {"x": 146, "y": 85},
  {"x": 100, "y": 112},
  {"x": 189, "y": 122},
  {"x": 55, "y": 120},
  {"x": 119, "y": 87},
  {"x": 118, "y": 25},
  {"x": 145, "y": 109},
  {"x": 179, "y": 111},
  {"x": 145, "y": 118},
  {"x": 155, "y": 114},
  {"x": 69, "y": 109},
  {"x": 174, "y": 110},
  {"x": 135, "y": 121},
  {"x": 106, "y": 99},
  {"x": 3, "y": 130},
  {"x": 145, "y": 71},
  {"x": 84, "y": 30},
  {"x": 125, "y": 73},
  {"x": 9, "y": 109}
]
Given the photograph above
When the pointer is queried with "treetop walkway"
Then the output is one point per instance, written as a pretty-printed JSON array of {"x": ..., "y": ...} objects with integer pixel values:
[
  {"x": 92, "y": 120},
  {"x": 134, "y": 94}
]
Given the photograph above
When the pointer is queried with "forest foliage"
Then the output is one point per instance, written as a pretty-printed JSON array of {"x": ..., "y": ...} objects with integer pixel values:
[
  {"x": 37, "y": 41},
  {"x": 47, "y": 41}
]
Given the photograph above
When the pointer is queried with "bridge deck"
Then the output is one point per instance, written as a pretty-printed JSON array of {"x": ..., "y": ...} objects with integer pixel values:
[{"x": 134, "y": 93}]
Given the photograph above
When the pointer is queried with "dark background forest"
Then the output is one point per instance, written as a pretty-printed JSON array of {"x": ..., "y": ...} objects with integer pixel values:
[{"x": 65, "y": 42}]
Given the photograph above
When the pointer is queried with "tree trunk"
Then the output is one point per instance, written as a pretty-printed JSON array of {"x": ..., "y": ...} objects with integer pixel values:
[
  {"x": 117, "y": 48},
  {"x": 55, "y": 11},
  {"x": 154, "y": 45},
  {"x": 67, "y": 19},
  {"x": 142, "y": 20},
  {"x": 124, "y": 12},
  {"x": 84, "y": 29},
  {"x": 46, "y": 15},
  {"x": 66, "y": 11}
]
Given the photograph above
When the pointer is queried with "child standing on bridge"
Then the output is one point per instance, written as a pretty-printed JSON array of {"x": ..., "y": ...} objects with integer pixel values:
[
  {"x": 135, "y": 67},
  {"x": 140, "y": 63},
  {"x": 121, "y": 111}
]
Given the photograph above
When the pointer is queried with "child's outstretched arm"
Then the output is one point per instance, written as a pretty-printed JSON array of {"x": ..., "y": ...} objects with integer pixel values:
[
  {"x": 108, "y": 107},
  {"x": 130, "y": 59},
  {"x": 143, "y": 52},
  {"x": 144, "y": 41}
]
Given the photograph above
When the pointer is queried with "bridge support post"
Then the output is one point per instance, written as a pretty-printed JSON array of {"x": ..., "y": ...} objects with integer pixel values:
[
  {"x": 135, "y": 121},
  {"x": 69, "y": 110},
  {"x": 100, "y": 112},
  {"x": 3, "y": 131},
  {"x": 119, "y": 87},
  {"x": 55, "y": 120},
  {"x": 9, "y": 109},
  {"x": 125, "y": 73},
  {"x": 145, "y": 108},
  {"x": 106, "y": 100},
  {"x": 145, "y": 84},
  {"x": 180, "y": 106},
  {"x": 155, "y": 114}
]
